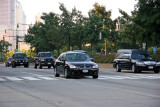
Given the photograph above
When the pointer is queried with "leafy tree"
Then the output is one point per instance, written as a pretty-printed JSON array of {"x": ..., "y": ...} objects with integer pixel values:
[
  {"x": 148, "y": 17},
  {"x": 100, "y": 21},
  {"x": 4, "y": 46}
]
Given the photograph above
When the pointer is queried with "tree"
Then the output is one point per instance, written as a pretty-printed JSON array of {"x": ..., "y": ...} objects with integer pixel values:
[
  {"x": 100, "y": 21},
  {"x": 4, "y": 46},
  {"x": 148, "y": 17}
]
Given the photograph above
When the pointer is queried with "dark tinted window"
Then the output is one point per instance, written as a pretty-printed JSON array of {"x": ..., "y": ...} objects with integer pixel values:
[
  {"x": 20, "y": 55},
  {"x": 77, "y": 57},
  {"x": 142, "y": 56},
  {"x": 46, "y": 55}
]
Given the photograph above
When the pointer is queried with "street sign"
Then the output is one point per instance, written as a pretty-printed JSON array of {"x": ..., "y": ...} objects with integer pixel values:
[
  {"x": 16, "y": 50},
  {"x": 154, "y": 50},
  {"x": 144, "y": 46}
]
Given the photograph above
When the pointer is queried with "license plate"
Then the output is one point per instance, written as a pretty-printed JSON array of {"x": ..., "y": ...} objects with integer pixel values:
[
  {"x": 49, "y": 63},
  {"x": 85, "y": 71},
  {"x": 150, "y": 67},
  {"x": 21, "y": 63}
]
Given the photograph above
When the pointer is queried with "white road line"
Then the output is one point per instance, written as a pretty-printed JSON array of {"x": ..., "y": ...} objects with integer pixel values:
[
  {"x": 2, "y": 79},
  {"x": 47, "y": 78},
  {"x": 30, "y": 78},
  {"x": 130, "y": 77},
  {"x": 13, "y": 78}
]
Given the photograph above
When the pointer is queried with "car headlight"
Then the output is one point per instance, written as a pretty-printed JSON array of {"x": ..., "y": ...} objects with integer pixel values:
[
  {"x": 140, "y": 63},
  {"x": 42, "y": 59},
  {"x": 95, "y": 66},
  {"x": 72, "y": 66},
  {"x": 158, "y": 63}
]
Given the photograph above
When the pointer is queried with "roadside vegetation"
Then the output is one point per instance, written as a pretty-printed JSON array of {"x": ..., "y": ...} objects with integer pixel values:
[{"x": 71, "y": 30}]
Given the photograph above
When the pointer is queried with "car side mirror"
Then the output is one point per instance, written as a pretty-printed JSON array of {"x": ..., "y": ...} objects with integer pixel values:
[{"x": 92, "y": 59}]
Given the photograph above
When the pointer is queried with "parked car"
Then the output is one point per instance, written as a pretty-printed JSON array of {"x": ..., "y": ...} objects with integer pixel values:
[
  {"x": 75, "y": 64},
  {"x": 135, "y": 60},
  {"x": 19, "y": 59},
  {"x": 8, "y": 62},
  {"x": 44, "y": 59}
]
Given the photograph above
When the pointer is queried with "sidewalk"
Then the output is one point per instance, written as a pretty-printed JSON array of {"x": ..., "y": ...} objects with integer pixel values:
[{"x": 105, "y": 66}]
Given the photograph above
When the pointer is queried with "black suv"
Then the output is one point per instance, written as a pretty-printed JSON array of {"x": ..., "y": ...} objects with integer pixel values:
[
  {"x": 44, "y": 59},
  {"x": 18, "y": 59},
  {"x": 135, "y": 60}
]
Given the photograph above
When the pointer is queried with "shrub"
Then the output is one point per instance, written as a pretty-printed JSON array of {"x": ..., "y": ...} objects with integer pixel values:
[{"x": 104, "y": 59}]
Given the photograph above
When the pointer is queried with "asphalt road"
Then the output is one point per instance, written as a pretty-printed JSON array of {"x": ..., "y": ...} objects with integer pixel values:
[{"x": 29, "y": 87}]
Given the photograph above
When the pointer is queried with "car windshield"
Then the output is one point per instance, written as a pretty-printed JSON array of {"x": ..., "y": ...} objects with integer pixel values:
[
  {"x": 46, "y": 55},
  {"x": 126, "y": 56},
  {"x": 20, "y": 56},
  {"x": 77, "y": 57},
  {"x": 142, "y": 57}
]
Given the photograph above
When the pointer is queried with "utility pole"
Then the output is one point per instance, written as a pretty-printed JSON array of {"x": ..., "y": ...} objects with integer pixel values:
[
  {"x": 17, "y": 41},
  {"x": 105, "y": 46}
]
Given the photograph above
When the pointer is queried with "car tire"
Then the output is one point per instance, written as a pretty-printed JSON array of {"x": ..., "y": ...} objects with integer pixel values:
[
  {"x": 66, "y": 73},
  {"x": 49, "y": 67},
  {"x": 56, "y": 74},
  {"x": 35, "y": 66},
  {"x": 26, "y": 66},
  {"x": 95, "y": 76},
  {"x": 156, "y": 71},
  {"x": 40, "y": 66},
  {"x": 134, "y": 69},
  {"x": 13, "y": 65},
  {"x": 117, "y": 68}
]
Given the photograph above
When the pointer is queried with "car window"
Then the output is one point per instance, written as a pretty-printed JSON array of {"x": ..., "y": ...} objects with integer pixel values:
[
  {"x": 19, "y": 55},
  {"x": 126, "y": 56},
  {"x": 142, "y": 56},
  {"x": 77, "y": 57},
  {"x": 46, "y": 55}
]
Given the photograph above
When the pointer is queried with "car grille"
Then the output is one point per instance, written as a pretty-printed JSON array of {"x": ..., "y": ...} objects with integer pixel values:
[
  {"x": 84, "y": 66},
  {"x": 150, "y": 62},
  {"x": 20, "y": 60},
  {"x": 48, "y": 60}
]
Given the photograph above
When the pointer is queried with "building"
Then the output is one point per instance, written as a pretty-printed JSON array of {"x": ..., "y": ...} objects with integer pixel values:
[{"x": 12, "y": 21}]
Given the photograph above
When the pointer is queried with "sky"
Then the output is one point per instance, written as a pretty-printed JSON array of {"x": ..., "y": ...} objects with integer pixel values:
[{"x": 37, "y": 7}]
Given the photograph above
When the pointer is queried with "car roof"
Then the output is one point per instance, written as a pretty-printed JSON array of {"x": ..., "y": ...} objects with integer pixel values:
[
  {"x": 72, "y": 52},
  {"x": 44, "y": 52},
  {"x": 19, "y": 53},
  {"x": 130, "y": 51}
]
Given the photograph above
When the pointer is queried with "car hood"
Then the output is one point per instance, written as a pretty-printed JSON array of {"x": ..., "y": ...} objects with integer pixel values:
[
  {"x": 80, "y": 63},
  {"x": 147, "y": 62}
]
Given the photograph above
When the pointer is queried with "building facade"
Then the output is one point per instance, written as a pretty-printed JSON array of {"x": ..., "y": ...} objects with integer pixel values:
[{"x": 12, "y": 19}]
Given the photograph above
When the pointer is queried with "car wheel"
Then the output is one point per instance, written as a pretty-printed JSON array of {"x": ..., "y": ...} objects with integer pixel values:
[
  {"x": 13, "y": 65},
  {"x": 35, "y": 66},
  {"x": 117, "y": 68},
  {"x": 40, "y": 66},
  {"x": 26, "y": 66},
  {"x": 56, "y": 74},
  {"x": 49, "y": 67},
  {"x": 156, "y": 71},
  {"x": 66, "y": 73},
  {"x": 134, "y": 68},
  {"x": 95, "y": 76}
]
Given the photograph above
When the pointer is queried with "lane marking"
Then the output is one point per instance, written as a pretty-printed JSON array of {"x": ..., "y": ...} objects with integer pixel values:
[
  {"x": 2, "y": 79},
  {"x": 14, "y": 78},
  {"x": 30, "y": 78},
  {"x": 47, "y": 78}
]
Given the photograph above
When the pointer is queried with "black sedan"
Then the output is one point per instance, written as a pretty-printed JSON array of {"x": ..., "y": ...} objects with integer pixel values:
[
  {"x": 8, "y": 62},
  {"x": 75, "y": 64}
]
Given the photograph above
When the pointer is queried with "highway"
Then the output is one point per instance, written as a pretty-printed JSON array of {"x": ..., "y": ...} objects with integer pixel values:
[{"x": 29, "y": 87}]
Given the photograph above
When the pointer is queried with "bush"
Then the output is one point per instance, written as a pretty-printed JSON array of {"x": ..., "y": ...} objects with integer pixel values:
[
  {"x": 104, "y": 59},
  {"x": 2, "y": 59}
]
